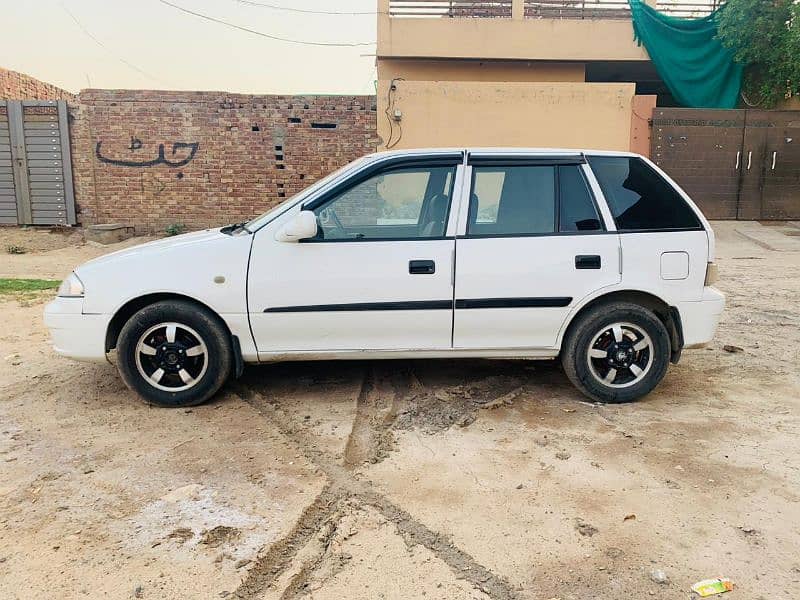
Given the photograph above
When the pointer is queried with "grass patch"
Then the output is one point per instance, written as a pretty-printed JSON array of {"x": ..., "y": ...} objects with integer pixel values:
[{"x": 17, "y": 286}]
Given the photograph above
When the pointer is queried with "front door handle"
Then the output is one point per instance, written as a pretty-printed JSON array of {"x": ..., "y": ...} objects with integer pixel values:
[
  {"x": 587, "y": 261},
  {"x": 421, "y": 267}
]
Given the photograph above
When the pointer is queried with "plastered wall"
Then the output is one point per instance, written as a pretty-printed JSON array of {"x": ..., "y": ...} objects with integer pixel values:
[{"x": 552, "y": 114}]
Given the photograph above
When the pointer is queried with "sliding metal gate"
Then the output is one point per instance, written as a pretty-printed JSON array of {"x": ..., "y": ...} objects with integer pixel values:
[{"x": 35, "y": 164}]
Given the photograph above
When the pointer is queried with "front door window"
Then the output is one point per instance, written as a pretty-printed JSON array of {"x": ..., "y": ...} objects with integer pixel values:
[{"x": 408, "y": 203}]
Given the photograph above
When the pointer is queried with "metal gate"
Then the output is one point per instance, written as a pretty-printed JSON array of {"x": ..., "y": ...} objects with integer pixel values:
[
  {"x": 736, "y": 164},
  {"x": 35, "y": 164}
]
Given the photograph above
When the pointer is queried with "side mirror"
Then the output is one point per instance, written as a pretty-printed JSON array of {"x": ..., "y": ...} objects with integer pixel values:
[{"x": 301, "y": 227}]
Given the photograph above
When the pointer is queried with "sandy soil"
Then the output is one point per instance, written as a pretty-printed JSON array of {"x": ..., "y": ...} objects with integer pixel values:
[
  {"x": 49, "y": 253},
  {"x": 434, "y": 479}
]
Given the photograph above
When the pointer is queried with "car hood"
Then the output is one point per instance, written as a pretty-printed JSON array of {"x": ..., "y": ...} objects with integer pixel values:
[
  {"x": 156, "y": 247},
  {"x": 208, "y": 266}
]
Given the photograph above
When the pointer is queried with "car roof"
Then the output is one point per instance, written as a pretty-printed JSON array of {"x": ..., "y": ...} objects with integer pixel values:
[{"x": 500, "y": 151}]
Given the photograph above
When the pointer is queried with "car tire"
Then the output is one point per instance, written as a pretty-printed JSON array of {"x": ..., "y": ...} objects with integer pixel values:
[
  {"x": 174, "y": 353},
  {"x": 616, "y": 352}
]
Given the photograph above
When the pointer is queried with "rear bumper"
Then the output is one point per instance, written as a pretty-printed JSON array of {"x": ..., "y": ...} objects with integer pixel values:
[
  {"x": 73, "y": 334},
  {"x": 700, "y": 319}
]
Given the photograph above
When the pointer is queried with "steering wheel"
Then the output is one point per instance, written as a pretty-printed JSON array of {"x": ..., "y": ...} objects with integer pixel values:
[{"x": 331, "y": 212}]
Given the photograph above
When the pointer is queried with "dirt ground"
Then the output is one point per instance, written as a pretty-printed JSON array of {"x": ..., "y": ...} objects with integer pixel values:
[{"x": 397, "y": 480}]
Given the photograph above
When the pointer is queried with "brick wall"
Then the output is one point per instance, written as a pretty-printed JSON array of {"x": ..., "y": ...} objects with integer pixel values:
[
  {"x": 18, "y": 86},
  {"x": 206, "y": 158}
]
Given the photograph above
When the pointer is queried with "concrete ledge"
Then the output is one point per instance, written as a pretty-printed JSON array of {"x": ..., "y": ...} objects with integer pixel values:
[
  {"x": 108, "y": 233},
  {"x": 509, "y": 39},
  {"x": 776, "y": 238}
]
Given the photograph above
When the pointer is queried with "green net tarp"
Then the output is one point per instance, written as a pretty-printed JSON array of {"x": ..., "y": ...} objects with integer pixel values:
[{"x": 698, "y": 70}]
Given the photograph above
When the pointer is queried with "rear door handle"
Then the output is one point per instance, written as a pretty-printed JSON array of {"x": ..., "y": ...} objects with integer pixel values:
[
  {"x": 421, "y": 267},
  {"x": 587, "y": 261}
]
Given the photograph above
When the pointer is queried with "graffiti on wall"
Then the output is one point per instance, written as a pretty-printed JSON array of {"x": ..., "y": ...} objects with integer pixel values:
[{"x": 161, "y": 159}]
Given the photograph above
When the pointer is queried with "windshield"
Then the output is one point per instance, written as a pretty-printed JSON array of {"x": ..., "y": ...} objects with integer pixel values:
[{"x": 275, "y": 211}]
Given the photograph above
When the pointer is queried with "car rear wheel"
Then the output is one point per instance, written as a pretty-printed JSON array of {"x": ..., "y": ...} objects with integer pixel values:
[
  {"x": 174, "y": 353},
  {"x": 616, "y": 352}
]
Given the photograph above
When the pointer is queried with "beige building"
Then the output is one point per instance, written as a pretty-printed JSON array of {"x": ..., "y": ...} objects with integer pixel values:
[{"x": 551, "y": 73}]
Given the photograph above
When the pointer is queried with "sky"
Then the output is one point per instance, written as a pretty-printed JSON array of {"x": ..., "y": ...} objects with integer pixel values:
[{"x": 145, "y": 44}]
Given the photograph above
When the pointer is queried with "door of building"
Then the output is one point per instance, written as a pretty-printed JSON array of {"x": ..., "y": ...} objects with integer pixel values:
[
  {"x": 35, "y": 164},
  {"x": 702, "y": 151},
  {"x": 780, "y": 194},
  {"x": 735, "y": 164}
]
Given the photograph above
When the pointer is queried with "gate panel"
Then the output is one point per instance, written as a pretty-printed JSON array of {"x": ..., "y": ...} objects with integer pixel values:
[
  {"x": 8, "y": 200},
  {"x": 753, "y": 153},
  {"x": 48, "y": 198},
  {"x": 736, "y": 164},
  {"x": 18, "y": 162},
  {"x": 781, "y": 187},
  {"x": 35, "y": 164},
  {"x": 702, "y": 151}
]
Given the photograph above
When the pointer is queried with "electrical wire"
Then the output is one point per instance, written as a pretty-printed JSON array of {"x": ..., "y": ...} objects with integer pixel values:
[
  {"x": 386, "y": 113},
  {"x": 267, "y": 35},
  {"x": 390, "y": 100},
  {"x": 306, "y": 10},
  {"x": 106, "y": 48}
]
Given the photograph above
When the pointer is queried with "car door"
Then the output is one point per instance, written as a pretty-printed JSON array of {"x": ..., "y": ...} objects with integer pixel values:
[
  {"x": 532, "y": 244},
  {"x": 379, "y": 273}
]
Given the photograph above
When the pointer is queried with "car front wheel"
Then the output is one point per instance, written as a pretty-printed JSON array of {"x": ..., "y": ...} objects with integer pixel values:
[
  {"x": 616, "y": 352},
  {"x": 174, "y": 353}
]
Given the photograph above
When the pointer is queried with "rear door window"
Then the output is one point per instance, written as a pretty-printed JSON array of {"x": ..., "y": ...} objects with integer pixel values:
[
  {"x": 513, "y": 200},
  {"x": 639, "y": 198},
  {"x": 520, "y": 200},
  {"x": 577, "y": 211}
]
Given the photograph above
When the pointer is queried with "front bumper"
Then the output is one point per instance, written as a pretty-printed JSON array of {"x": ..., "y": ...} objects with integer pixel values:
[
  {"x": 700, "y": 318},
  {"x": 74, "y": 334}
]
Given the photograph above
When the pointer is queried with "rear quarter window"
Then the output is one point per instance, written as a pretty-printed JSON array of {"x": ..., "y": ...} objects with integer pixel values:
[{"x": 639, "y": 198}]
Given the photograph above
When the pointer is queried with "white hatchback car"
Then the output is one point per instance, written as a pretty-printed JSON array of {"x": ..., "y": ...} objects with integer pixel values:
[{"x": 597, "y": 258}]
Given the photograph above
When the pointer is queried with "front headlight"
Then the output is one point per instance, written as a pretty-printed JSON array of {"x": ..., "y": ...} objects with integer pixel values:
[{"x": 71, "y": 287}]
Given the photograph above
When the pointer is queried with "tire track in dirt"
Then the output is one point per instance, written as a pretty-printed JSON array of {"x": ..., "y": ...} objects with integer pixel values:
[
  {"x": 371, "y": 438},
  {"x": 270, "y": 565},
  {"x": 345, "y": 484},
  {"x": 300, "y": 581}
]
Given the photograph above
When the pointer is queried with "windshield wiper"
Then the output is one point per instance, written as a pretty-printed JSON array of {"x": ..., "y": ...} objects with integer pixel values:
[{"x": 231, "y": 229}]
